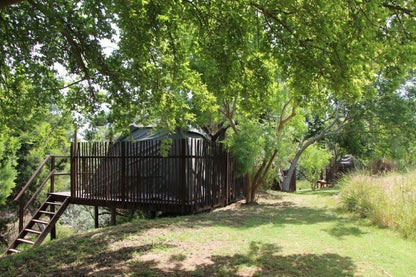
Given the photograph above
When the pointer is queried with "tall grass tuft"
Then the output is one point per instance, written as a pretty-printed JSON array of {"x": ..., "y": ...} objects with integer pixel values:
[{"x": 387, "y": 201}]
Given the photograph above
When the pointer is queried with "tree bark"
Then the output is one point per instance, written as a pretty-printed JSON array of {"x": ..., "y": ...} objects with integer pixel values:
[
  {"x": 249, "y": 187},
  {"x": 293, "y": 165}
]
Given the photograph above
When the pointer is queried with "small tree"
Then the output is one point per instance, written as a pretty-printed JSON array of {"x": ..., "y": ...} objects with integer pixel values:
[{"x": 313, "y": 162}]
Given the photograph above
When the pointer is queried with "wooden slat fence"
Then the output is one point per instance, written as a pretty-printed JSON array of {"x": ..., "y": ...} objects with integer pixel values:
[{"x": 196, "y": 175}]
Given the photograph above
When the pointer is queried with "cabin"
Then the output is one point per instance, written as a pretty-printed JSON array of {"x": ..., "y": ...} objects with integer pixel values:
[{"x": 150, "y": 170}]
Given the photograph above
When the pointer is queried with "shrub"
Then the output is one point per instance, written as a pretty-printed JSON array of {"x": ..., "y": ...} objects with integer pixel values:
[{"x": 387, "y": 201}]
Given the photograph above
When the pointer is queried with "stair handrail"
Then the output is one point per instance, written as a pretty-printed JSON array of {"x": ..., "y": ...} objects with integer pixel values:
[
  {"x": 37, "y": 172},
  {"x": 39, "y": 189},
  {"x": 22, "y": 206},
  {"x": 20, "y": 198}
]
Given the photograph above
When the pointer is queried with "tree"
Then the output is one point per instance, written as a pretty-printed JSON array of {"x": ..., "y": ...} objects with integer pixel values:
[
  {"x": 383, "y": 125},
  {"x": 208, "y": 63},
  {"x": 330, "y": 125}
]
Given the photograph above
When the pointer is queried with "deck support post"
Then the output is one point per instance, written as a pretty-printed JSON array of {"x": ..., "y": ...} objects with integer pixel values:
[
  {"x": 113, "y": 216},
  {"x": 21, "y": 212},
  {"x": 96, "y": 223},
  {"x": 51, "y": 190},
  {"x": 227, "y": 178},
  {"x": 74, "y": 166}
]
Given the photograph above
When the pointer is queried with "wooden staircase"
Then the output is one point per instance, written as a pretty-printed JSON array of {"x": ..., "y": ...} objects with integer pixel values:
[{"x": 42, "y": 222}]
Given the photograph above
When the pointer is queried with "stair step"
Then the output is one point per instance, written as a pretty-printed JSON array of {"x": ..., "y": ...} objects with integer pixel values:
[
  {"x": 47, "y": 212},
  {"x": 54, "y": 203},
  {"x": 25, "y": 241},
  {"x": 33, "y": 231},
  {"x": 62, "y": 203},
  {"x": 40, "y": 221},
  {"x": 56, "y": 196}
]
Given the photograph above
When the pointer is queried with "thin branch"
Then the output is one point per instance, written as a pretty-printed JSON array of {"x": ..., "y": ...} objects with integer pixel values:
[
  {"x": 289, "y": 117},
  {"x": 269, "y": 164},
  {"x": 270, "y": 14},
  {"x": 259, "y": 171},
  {"x": 399, "y": 8},
  {"x": 71, "y": 84},
  {"x": 230, "y": 116}
]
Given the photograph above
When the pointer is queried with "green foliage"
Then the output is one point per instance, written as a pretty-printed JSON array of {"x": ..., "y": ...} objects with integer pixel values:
[
  {"x": 387, "y": 201},
  {"x": 8, "y": 173},
  {"x": 383, "y": 125},
  {"x": 81, "y": 218},
  {"x": 247, "y": 146},
  {"x": 313, "y": 162},
  {"x": 178, "y": 63},
  {"x": 49, "y": 134},
  {"x": 7, "y": 176}
]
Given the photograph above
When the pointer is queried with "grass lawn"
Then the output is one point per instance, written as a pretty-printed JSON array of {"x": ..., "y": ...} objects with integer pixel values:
[{"x": 300, "y": 234}]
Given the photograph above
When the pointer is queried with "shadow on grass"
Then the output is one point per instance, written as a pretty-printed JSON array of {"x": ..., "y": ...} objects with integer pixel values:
[
  {"x": 261, "y": 260},
  {"x": 91, "y": 253},
  {"x": 340, "y": 231},
  {"x": 279, "y": 212},
  {"x": 264, "y": 260},
  {"x": 78, "y": 256}
]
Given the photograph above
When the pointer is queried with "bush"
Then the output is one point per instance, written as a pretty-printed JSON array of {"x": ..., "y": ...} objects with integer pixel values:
[{"x": 387, "y": 201}]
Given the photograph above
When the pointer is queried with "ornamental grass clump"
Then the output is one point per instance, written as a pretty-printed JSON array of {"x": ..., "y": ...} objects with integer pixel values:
[{"x": 387, "y": 201}]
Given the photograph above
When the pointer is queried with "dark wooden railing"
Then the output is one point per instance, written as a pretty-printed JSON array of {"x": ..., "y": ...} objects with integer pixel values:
[
  {"x": 23, "y": 194},
  {"x": 195, "y": 175}
]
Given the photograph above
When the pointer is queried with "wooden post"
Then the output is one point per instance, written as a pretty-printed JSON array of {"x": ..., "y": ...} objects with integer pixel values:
[
  {"x": 123, "y": 169},
  {"x": 96, "y": 223},
  {"x": 183, "y": 174},
  {"x": 74, "y": 167},
  {"x": 227, "y": 178},
  {"x": 21, "y": 212},
  {"x": 51, "y": 190}
]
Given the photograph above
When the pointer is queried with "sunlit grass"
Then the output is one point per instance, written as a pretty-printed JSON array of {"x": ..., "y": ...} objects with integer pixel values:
[{"x": 388, "y": 201}]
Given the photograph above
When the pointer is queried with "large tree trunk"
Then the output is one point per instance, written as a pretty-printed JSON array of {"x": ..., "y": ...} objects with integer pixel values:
[
  {"x": 249, "y": 188},
  {"x": 291, "y": 171},
  {"x": 293, "y": 165}
]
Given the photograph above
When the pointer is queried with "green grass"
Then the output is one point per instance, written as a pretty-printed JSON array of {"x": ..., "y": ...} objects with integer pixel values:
[{"x": 297, "y": 234}]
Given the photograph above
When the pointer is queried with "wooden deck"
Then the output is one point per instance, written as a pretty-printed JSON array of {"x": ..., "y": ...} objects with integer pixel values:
[{"x": 195, "y": 175}]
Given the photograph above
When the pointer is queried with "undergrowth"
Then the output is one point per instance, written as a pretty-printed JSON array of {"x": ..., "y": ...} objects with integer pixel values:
[{"x": 387, "y": 201}]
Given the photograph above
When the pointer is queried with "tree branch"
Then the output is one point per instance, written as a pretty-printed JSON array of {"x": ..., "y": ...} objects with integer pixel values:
[
  {"x": 289, "y": 117},
  {"x": 263, "y": 177},
  {"x": 230, "y": 116},
  {"x": 399, "y": 8}
]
